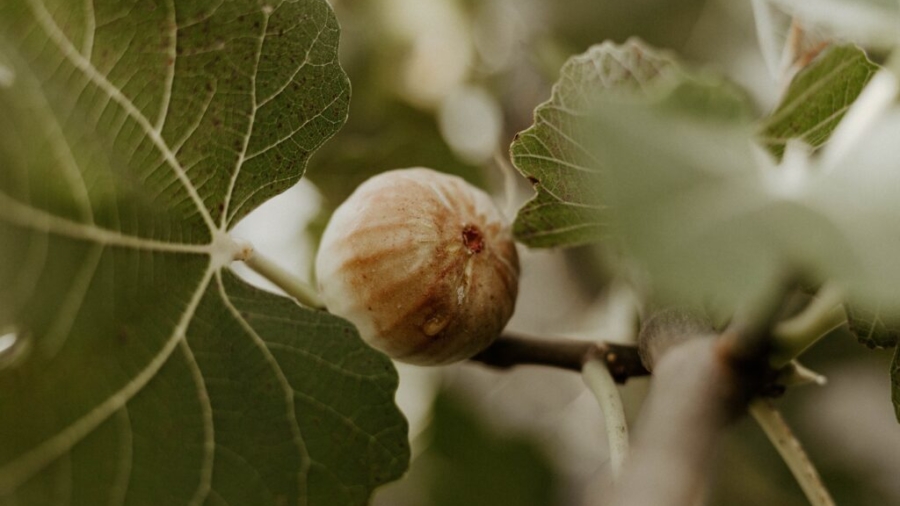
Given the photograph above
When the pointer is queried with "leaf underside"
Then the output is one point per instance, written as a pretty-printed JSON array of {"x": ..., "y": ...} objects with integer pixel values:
[
  {"x": 871, "y": 328},
  {"x": 567, "y": 210},
  {"x": 136, "y": 134},
  {"x": 818, "y": 97}
]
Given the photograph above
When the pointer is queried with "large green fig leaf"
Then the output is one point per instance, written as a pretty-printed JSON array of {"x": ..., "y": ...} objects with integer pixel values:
[
  {"x": 134, "y": 135},
  {"x": 818, "y": 97}
]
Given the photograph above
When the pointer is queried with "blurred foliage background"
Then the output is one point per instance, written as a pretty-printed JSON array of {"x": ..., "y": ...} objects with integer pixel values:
[{"x": 447, "y": 84}]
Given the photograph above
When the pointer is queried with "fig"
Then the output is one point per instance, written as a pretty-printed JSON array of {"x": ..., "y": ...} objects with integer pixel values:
[{"x": 422, "y": 263}]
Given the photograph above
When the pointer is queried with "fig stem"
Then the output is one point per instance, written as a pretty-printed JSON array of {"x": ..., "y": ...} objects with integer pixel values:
[
  {"x": 781, "y": 436},
  {"x": 508, "y": 351},
  {"x": 793, "y": 336},
  {"x": 291, "y": 284},
  {"x": 601, "y": 383}
]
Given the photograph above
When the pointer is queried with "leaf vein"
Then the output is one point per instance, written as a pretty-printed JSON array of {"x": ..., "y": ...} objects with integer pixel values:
[
  {"x": 172, "y": 54},
  {"x": 75, "y": 58},
  {"x": 285, "y": 384},
  {"x": 119, "y": 489},
  {"x": 24, "y": 216},
  {"x": 209, "y": 443},
  {"x": 23, "y": 467}
]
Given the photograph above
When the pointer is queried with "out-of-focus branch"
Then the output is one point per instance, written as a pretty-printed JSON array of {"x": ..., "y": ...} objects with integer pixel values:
[
  {"x": 689, "y": 404},
  {"x": 692, "y": 398},
  {"x": 602, "y": 365},
  {"x": 701, "y": 383},
  {"x": 778, "y": 431},
  {"x": 623, "y": 361}
]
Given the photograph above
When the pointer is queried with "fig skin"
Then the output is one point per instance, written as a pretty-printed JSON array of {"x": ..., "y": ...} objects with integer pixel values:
[{"x": 422, "y": 263}]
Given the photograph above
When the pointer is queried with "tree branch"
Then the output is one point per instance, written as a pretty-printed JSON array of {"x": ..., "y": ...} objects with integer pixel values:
[
  {"x": 508, "y": 351},
  {"x": 778, "y": 431},
  {"x": 702, "y": 382},
  {"x": 690, "y": 402}
]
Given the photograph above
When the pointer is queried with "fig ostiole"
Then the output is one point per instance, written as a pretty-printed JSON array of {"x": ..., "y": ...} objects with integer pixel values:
[{"x": 422, "y": 263}]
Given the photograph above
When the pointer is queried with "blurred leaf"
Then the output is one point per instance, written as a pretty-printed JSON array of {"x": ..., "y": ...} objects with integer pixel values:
[
  {"x": 712, "y": 218},
  {"x": 871, "y": 329},
  {"x": 144, "y": 372},
  {"x": 773, "y": 28},
  {"x": 472, "y": 466},
  {"x": 383, "y": 131},
  {"x": 895, "y": 382},
  {"x": 866, "y": 22},
  {"x": 818, "y": 97},
  {"x": 663, "y": 23},
  {"x": 394, "y": 136},
  {"x": 557, "y": 155},
  {"x": 567, "y": 210}
]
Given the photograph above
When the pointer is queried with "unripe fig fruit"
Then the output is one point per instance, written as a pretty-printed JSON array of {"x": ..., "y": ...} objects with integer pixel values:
[{"x": 422, "y": 263}]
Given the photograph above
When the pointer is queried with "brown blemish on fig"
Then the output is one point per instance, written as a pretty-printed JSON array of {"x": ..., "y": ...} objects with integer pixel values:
[
  {"x": 473, "y": 239},
  {"x": 435, "y": 324}
]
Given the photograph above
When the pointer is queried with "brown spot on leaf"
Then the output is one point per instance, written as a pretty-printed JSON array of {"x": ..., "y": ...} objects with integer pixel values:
[{"x": 122, "y": 335}]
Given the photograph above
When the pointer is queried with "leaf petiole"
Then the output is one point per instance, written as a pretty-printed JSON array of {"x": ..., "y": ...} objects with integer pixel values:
[
  {"x": 781, "y": 436},
  {"x": 601, "y": 383},
  {"x": 794, "y": 335},
  {"x": 291, "y": 284}
]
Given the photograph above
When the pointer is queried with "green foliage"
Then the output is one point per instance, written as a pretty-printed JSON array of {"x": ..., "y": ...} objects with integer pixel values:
[
  {"x": 876, "y": 331},
  {"x": 895, "y": 382},
  {"x": 871, "y": 329},
  {"x": 567, "y": 210},
  {"x": 558, "y": 156},
  {"x": 710, "y": 216},
  {"x": 470, "y": 464},
  {"x": 144, "y": 371},
  {"x": 818, "y": 97},
  {"x": 713, "y": 219}
]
